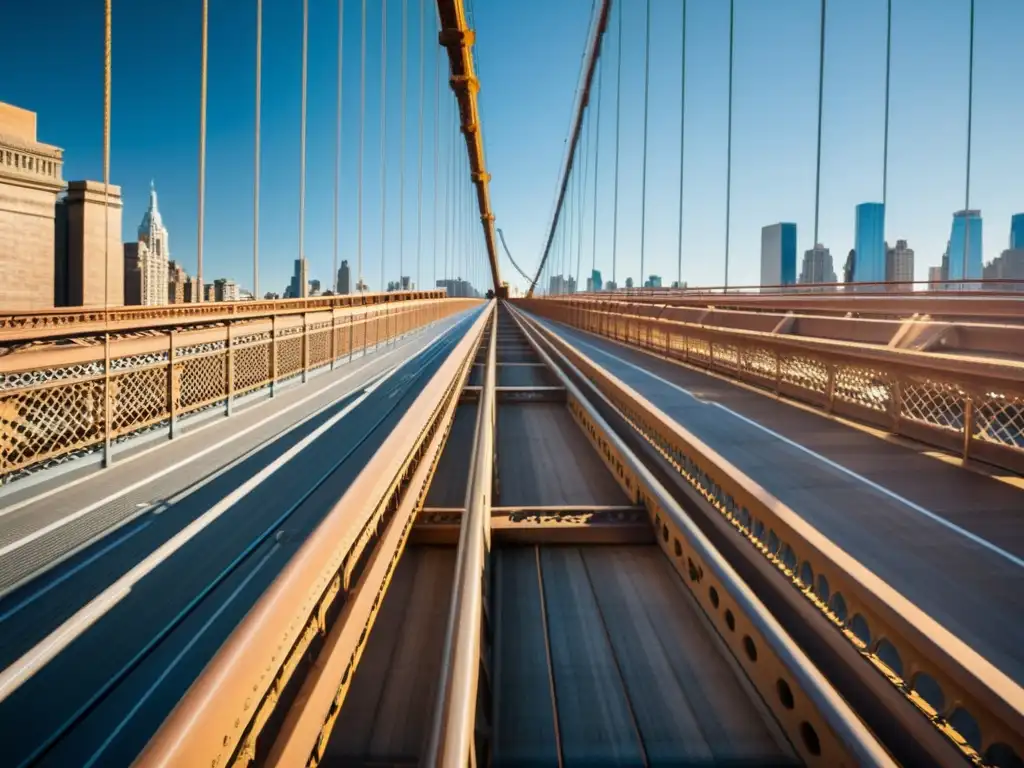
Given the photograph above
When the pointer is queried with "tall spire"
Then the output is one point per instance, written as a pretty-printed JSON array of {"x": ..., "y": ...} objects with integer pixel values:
[{"x": 152, "y": 195}]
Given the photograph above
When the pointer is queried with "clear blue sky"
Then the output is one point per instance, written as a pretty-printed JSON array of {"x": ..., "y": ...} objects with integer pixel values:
[{"x": 529, "y": 54}]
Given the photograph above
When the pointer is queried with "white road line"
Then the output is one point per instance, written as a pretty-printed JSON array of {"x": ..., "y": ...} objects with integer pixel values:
[
  {"x": 33, "y": 660},
  {"x": 68, "y": 574},
  {"x": 160, "y": 446},
  {"x": 61, "y": 522},
  {"x": 823, "y": 459},
  {"x": 181, "y": 654}
]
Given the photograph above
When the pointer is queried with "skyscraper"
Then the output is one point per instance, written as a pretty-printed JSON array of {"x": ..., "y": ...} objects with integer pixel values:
[
  {"x": 778, "y": 254},
  {"x": 965, "y": 247},
  {"x": 344, "y": 278},
  {"x": 818, "y": 267},
  {"x": 1017, "y": 232},
  {"x": 299, "y": 287},
  {"x": 154, "y": 253},
  {"x": 595, "y": 278},
  {"x": 899, "y": 267},
  {"x": 870, "y": 243}
]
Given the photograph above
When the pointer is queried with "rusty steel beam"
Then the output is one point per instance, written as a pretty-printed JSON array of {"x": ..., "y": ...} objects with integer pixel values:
[
  {"x": 64, "y": 322},
  {"x": 458, "y": 39},
  {"x": 839, "y": 736},
  {"x": 452, "y": 732},
  {"x": 968, "y": 405},
  {"x": 968, "y": 680},
  {"x": 221, "y": 718},
  {"x": 593, "y": 53}
]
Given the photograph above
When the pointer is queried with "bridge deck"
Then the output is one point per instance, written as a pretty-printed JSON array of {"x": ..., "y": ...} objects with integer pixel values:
[
  {"x": 124, "y": 657},
  {"x": 599, "y": 654},
  {"x": 948, "y": 538}
]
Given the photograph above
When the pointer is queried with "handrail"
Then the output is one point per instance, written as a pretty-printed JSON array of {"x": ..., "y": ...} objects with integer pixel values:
[
  {"x": 67, "y": 321},
  {"x": 970, "y": 405},
  {"x": 840, "y": 736},
  {"x": 904, "y": 641},
  {"x": 452, "y": 730},
  {"x": 222, "y": 714}
]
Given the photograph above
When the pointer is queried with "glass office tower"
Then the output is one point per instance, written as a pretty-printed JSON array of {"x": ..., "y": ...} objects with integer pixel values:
[
  {"x": 778, "y": 254},
  {"x": 965, "y": 239},
  {"x": 870, "y": 244},
  {"x": 1017, "y": 231}
]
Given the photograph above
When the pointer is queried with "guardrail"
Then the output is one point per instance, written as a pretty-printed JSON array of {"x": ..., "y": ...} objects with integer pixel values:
[
  {"x": 453, "y": 730},
  {"x": 317, "y": 614},
  {"x": 65, "y": 321},
  {"x": 977, "y": 706},
  {"x": 60, "y": 401},
  {"x": 820, "y": 725},
  {"x": 971, "y": 406}
]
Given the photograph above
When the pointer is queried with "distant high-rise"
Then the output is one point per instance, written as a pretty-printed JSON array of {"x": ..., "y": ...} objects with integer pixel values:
[
  {"x": 935, "y": 278},
  {"x": 154, "y": 253},
  {"x": 965, "y": 247},
  {"x": 225, "y": 290},
  {"x": 870, "y": 243},
  {"x": 899, "y": 267},
  {"x": 1009, "y": 265},
  {"x": 299, "y": 288},
  {"x": 778, "y": 254},
  {"x": 629, "y": 282},
  {"x": 344, "y": 278},
  {"x": 176, "y": 280},
  {"x": 595, "y": 278},
  {"x": 653, "y": 281},
  {"x": 405, "y": 283},
  {"x": 1017, "y": 232},
  {"x": 817, "y": 267}
]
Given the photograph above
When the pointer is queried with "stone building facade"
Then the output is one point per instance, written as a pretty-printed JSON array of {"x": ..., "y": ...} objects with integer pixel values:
[{"x": 30, "y": 178}]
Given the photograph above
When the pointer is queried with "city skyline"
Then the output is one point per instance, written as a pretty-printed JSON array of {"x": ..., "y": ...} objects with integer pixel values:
[{"x": 773, "y": 168}]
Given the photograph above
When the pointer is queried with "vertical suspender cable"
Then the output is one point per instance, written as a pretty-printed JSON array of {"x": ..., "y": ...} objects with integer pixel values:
[
  {"x": 885, "y": 142},
  {"x": 967, "y": 184},
  {"x": 682, "y": 148},
  {"x": 337, "y": 145},
  {"x": 106, "y": 230},
  {"x": 401, "y": 149},
  {"x": 106, "y": 155},
  {"x": 618, "y": 120},
  {"x": 821, "y": 90},
  {"x": 419, "y": 172},
  {"x": 728, "y": 160},
  {"x": 583, "y": 200},
  {"x": 256, "y": 155},
  {"x": 383, "y": 134},
  {"x": 597, "y": 161},
  {"x": 362, "y": 148},
  {"x": 303, "y": 283},
  {"x": 202, "y": 150},
  {"x": 437, "y": 147},
  {"x": 446, "y": 276},
  {"x": 643, "y": 182}
]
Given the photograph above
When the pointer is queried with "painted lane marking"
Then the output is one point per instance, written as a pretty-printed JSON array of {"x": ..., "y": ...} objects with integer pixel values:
[{"x": 823, "y": 459}]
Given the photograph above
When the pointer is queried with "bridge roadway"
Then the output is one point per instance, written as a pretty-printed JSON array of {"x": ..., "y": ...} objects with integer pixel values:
[
  {"x": 600, "y": 655},
  {"x": 100, "y": 645},
  {"x": 949, "y": 538}
]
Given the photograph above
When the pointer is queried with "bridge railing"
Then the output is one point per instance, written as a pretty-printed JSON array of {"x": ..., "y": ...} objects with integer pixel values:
[
  {"x": 967, "y": 700},
  {"x": 63, "y": 397},
  {"x": 971, "y": 406}
]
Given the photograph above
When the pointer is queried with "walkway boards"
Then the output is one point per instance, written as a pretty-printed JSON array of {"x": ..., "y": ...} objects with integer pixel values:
[
  {"x": 950, "y": 539},
  {"x": 601, "y": 652}
]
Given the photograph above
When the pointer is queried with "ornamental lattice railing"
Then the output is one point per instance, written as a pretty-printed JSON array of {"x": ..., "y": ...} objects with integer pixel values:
[
  {"x": 65, "y": 397},
  {"x": 968, "y": 405}
]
